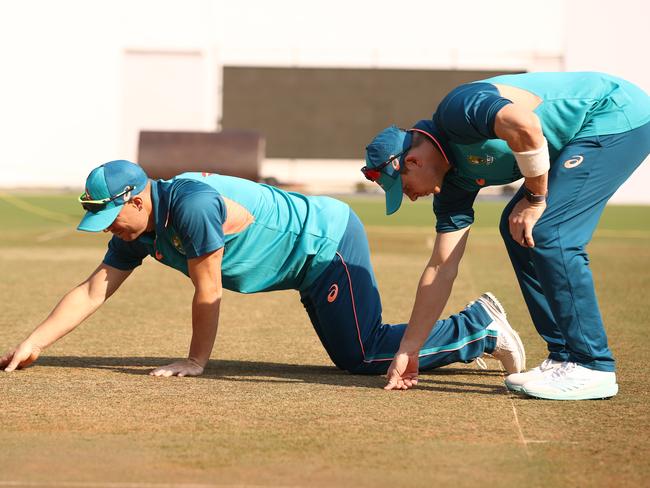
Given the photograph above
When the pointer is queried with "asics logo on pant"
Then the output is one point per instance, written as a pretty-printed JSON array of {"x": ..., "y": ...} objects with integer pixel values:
[{"x": 573, "y": 162}]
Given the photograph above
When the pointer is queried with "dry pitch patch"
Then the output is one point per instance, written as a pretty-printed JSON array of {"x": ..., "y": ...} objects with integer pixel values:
[{"x": 272, "y": 411}]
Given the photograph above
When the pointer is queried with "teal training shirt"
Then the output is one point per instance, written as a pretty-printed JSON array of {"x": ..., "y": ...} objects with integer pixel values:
[
  {"x": 272, "y": 239},
  {"x": 582, "y": 104},
  {"x": 573, "y": 106}
]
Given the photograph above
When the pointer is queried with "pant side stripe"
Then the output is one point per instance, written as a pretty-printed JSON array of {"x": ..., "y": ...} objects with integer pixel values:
[{"x": 354, "y": 307}]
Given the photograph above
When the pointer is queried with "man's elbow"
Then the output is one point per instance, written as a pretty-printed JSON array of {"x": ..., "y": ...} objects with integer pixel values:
[
  {"x": 208, "y": 294},
  {"x": 530, "y": 132},
  {"x": 522, "y": 130}
]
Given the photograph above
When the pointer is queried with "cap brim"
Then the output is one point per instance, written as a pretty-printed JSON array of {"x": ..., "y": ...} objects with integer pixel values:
[
  {"x": 97, "y": 222},
  {"x": 394, "y": 196}
]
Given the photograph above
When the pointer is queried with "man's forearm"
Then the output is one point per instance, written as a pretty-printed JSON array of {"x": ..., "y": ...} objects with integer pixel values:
[
  {"x": 432, "y": 295},
  {"x": 73, "y": 308},
  {"x": 205, "y": 320}
]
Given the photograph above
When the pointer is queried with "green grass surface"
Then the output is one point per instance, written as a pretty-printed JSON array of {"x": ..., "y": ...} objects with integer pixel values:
[{"x": 271, "y": 410}]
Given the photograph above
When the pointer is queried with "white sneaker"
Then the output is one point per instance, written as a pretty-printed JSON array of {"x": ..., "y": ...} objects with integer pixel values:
[
  {"x": 509, "y": 349},
  {"x": 515, "y": 382},
  {"x": 572, "y": 381}
]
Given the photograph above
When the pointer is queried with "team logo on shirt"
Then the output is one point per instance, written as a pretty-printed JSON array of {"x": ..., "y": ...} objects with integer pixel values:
[
  {"x": 487, "y": 160},
  {"x": 573, "y": 162},
  {"x": 178, "y": 244},
  {"x": 333, "y": 293}
]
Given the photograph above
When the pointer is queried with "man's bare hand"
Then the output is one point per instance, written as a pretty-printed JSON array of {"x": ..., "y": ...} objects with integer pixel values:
[
  {"x": 186, "y": 367},
  {"x": 522, "y": 219},
  {"x": 403, "y": 372},
  {"x": 20, "y": 357}
]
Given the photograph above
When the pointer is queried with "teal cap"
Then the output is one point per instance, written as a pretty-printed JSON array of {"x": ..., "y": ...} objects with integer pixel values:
[
  {"x": 104, "y": 183},
  {"x": 390, "y": 142}
]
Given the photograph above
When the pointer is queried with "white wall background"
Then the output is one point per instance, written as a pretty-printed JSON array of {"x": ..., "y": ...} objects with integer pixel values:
[{"x": 72, "y": 91}]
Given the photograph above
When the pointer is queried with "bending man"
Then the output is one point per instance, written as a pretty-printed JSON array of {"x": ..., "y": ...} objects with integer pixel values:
[{"x": 575, "y": 138}]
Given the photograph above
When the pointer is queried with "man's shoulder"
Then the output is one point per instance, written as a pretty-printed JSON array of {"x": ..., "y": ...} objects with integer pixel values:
[{"x": 188, "y": 183}]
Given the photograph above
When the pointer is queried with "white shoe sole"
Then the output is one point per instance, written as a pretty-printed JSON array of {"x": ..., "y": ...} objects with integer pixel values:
[{"x": 595, "y": 393}]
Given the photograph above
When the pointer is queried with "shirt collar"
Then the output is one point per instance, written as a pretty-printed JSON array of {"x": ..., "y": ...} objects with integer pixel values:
[
  {"x": 440, "y": 140},
  {"x": 160, "y": 201}
]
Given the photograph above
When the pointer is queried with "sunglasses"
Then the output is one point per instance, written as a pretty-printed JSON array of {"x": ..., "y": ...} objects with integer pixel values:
[
  {"x": 374, "y": 173},
  {"x": 95, "y": 206}
]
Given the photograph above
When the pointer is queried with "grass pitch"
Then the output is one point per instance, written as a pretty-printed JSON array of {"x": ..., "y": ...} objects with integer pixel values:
[{"x": 271, "y": 410}]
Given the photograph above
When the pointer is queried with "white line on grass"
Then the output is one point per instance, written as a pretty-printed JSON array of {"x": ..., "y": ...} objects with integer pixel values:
[
  {"x": 520, "y": 432},
  {"x": 36, "y": 210}
]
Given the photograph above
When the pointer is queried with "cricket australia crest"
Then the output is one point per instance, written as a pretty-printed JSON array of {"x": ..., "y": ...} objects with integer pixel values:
[
  {"x": 486, "y": 160},
  {"x": 176, "y": 241}
]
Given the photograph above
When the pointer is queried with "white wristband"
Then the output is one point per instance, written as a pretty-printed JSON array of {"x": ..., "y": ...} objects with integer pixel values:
[{"x": 535, "y": 162}]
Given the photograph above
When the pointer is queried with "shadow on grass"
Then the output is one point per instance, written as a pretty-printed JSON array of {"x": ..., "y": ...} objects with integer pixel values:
[{"x": 437, "y": 380}]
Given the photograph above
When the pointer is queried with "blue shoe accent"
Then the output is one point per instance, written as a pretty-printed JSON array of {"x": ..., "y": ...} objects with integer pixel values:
[{"x": 514, "y": 388}]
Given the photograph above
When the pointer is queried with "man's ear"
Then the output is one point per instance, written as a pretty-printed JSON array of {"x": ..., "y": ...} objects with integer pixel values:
[
  {"x": 411, "y": 161},
  {"x": 137, "y": 201}
]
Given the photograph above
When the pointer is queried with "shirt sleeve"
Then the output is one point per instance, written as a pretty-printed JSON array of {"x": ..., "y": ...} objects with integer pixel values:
[
  {"x": 197, "y": 215},
  {"x": 124, "y": 255},
  {"x": 467, "y": 113},
  {"x": 453, "y": 207}
]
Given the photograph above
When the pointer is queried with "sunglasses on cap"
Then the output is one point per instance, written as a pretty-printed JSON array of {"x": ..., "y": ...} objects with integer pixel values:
[
  {"x": 374, "y": 173},
  {"x": 95, "y": 206}
]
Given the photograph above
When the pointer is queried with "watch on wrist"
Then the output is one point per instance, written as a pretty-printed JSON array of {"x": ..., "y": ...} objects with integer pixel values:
[{"x": 532, "y": 198}]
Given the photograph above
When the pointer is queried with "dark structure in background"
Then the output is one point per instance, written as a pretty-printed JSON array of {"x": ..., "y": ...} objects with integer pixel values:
[
  {"x": 299, "y": 113},
  {"x": 231, "y": 152},
  {"x": 331, "y": 113}
]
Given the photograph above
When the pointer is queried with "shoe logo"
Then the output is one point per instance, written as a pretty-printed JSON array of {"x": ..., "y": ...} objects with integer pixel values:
[
  {"x": 333, "y": 293},
  {"x": 573, "y": 162}
]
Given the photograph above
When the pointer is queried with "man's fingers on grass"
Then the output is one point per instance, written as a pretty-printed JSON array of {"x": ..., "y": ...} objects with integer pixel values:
[
  {"x": 392, "y": 383},
  {"x": 12, "y": 366}
]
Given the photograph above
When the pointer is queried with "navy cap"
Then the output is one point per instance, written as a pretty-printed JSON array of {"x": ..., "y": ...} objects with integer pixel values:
[{"x": 106, "y": 181}]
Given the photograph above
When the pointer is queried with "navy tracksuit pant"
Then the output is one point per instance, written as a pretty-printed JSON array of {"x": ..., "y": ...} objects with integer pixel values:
[
  {"x": 345, "y": 309},
  {"x": 554, "y": 276}
]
